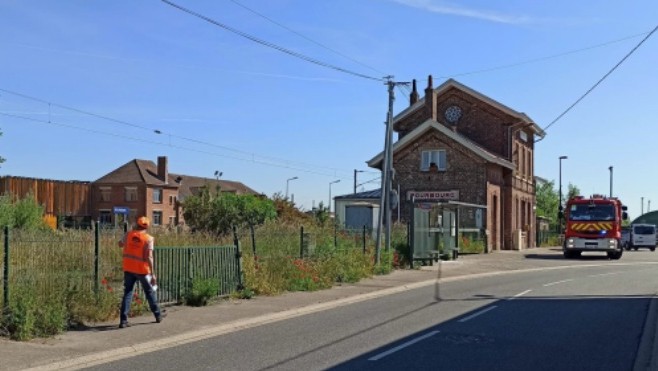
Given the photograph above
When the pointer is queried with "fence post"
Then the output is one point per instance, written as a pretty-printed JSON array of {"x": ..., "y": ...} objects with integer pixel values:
[
  {"x": 190, "y": 278},
  {"x": 5, "y": 272},
  {"x": 335, "y": 234},
  {"x": 238, "y": 257},
  {"x": 253, "y": 240},
  {"x": 97, "y": 250},
  {"x": 301, "y": 242},
  {"x": 363, "y": 238}
]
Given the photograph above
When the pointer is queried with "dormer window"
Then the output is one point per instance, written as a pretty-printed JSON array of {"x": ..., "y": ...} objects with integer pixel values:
[
  {"x": 523, "y": 136},
  {"x": 433, "y": 159}
]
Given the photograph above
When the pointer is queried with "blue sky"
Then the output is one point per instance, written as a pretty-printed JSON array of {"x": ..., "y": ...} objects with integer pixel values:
[{"x": 223, "y": 102}]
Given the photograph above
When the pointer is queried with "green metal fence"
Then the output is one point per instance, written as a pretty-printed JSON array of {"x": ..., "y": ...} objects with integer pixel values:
[{"x": 52, "y": 263}]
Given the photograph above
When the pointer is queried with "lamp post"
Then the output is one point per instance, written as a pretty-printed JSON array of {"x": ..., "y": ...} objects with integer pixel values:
[
  {"x": 288, "y": 183},
  {"x": 330, "y": 183},
  {"x": 610, "y": 168},
  {"x": 560, "y": 208},
  {"x": 356, "y": 171},
  {"x": 642, "y": 206},
  {"x": 218, "y": 174}
]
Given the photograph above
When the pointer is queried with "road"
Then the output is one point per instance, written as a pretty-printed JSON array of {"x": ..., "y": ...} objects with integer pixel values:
[{"x": 589, "y": 316}]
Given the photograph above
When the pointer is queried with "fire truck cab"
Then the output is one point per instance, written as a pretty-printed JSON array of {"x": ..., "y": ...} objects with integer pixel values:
[{"x": 593, "y": 224}]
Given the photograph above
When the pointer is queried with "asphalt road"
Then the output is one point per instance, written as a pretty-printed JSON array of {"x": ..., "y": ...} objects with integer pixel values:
[{"x": 585, "y": 317}]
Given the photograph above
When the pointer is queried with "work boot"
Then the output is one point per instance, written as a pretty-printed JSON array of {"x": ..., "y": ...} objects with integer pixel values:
[
  {"x": 124, "y": 324},
  {"x": 162, "y": 315}
]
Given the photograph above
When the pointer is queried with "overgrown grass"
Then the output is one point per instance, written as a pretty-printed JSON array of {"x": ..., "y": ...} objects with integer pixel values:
[{"x": 52, "y": 272}]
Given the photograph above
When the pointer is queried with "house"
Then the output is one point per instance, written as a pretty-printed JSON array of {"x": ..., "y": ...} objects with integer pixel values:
[
  {"x": 456, "y": 146},
  {"x": 142, "y": 187}
]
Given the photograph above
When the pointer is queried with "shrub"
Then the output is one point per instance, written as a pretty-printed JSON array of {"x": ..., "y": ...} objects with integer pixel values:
[{"x": 202, "y": 290}]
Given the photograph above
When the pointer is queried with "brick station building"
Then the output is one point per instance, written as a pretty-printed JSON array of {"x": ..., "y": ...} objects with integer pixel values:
[{"x": 456, "y": 144}]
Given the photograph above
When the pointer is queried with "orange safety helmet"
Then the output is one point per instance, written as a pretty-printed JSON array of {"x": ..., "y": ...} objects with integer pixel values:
[{"x": 143, "y": 222}]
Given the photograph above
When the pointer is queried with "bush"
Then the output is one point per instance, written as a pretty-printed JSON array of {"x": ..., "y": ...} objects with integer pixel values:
[{"x": 201, "y": 292}]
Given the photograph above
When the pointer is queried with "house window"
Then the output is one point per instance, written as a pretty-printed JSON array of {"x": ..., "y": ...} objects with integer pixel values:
[
  {"x": 172, "y": 220},
  {"x": 157, "y": 195},
  {"x": 436, "y": 157},
  {"x": 131, "y": 194},
  {"x": 523, "y": 136},
  {"x": 105, "y": 217},
  {"x": 105, "y": 193},
  {"x": 172, "y": 199},
  {"x": 157, "y": 218}
]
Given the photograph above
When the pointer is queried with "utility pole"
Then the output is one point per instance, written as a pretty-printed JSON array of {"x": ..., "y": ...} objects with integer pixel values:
[
  {"x": 387, "y": 174},
  {"x": 356, "y": 171}
]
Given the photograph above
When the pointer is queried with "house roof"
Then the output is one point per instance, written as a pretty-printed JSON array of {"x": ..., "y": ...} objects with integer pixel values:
[
  {"x": 191, "y": 185},
  {"x": 367, "y": 195},
  {"x": 137, "y": 171},
  {"x": 146, "y": 172},
  {"x": 430, "y": 125},
  {"x": 451, "y": 83}
]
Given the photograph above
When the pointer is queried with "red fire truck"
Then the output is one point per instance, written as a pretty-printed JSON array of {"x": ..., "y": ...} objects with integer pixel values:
[{"x": 593, "y": 224}]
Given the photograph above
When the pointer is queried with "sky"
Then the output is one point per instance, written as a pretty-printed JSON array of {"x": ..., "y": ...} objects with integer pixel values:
[{"x": 87, "y": 86}]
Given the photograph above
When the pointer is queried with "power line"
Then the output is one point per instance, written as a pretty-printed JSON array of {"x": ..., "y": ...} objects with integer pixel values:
[
  {"x": 157, "y": 131},
  {"x": 600, "y": 80},
  {"x": 271, "y": 45},
  {"x": 305, "y": 37},
  {"x": 121, "y": 136},
  {"x": 540, "y": 59}
]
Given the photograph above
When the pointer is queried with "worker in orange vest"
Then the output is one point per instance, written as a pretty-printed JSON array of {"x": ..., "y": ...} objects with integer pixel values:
[{"x": 138, "y": 266}]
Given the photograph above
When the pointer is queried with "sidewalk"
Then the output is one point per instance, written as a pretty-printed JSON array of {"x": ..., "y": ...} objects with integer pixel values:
[{"x": 105, "y": 341}]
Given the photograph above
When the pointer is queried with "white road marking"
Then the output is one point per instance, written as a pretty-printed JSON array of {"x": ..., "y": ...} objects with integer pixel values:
[
  {"x": 402, "y": 346},
  {"x": 519, "y": 295},
  {"x": 558, "y": 282},
  {"x": 477, "y": 314},
  {"x": 604, "y": 274}
]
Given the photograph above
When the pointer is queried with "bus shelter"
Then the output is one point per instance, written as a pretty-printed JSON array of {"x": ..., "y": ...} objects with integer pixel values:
[{"x": 439, "y": 229}]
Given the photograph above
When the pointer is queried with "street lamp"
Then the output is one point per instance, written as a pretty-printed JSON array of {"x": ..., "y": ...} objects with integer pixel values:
[
  {"x": 330, "y": 183},
  {"x": 610, "y": 168},
  {"x": 560, "y": 208},
  {"x": 287, "y": 183},
  {"x": 356, "y": 171}
]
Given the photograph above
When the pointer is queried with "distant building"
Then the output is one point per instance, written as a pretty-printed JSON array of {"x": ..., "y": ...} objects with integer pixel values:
[{"x": 139, "y": 187}]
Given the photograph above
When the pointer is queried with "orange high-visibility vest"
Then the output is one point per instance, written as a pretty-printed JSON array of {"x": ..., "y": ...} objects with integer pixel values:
[{"x": 136, "y": 253}]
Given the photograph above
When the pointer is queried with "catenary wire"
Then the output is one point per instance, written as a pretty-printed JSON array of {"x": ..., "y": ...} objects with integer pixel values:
[
  {"x": 305, "y": 37},
  {"x": 272, "y": 45},
  {"x": 61, "y": 124},
  {"x": 600, "y": 80},
  {"x": 157, "y": 131}
]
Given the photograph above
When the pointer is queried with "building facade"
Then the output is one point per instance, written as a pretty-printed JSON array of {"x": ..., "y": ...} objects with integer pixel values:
[{"x": 458, "y": 145}]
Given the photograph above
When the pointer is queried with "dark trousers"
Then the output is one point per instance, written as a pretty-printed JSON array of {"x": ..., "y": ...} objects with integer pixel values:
[{"x": 129, "y": 280}]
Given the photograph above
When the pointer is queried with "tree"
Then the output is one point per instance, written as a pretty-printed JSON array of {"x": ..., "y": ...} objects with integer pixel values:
[
  {"x": 547, "y": 200},
  {"x": 219, "y": 212},
  {"x": 572, "y": 191}
]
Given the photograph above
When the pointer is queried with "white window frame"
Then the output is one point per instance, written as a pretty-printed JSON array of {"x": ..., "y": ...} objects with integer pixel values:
[
  {"x": 436, "y": 156},
  {"x": 158, "y": 192},
  {"x": 157, "y": 221},
  {"x": 105, "y": 191},
  {"x": 130, "y": 191}
]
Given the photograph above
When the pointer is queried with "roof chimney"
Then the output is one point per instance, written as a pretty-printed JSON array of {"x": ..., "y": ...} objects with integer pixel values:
[
  {"x": 163, "y": 172},
  {"x": 430, "y": 99},
  {"x": 413, "y": 97}
]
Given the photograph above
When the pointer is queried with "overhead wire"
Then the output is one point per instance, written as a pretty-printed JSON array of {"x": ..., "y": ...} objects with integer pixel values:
[
  {"x": 304, "y": 36},
  {"x": 599, "y": 81},
  {"x": 272, "y": 45},
  {"x": 171, "y": 135},
  {"x": 540, "y": 59},
  {"x": 142, "y": 140}
]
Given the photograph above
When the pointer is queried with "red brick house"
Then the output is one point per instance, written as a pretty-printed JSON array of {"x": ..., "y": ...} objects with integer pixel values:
[
  {"x": 141, "y": 187},
  {"x": 456, "y": 144}
]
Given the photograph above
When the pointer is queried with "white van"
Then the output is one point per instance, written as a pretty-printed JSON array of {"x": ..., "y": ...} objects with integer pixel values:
[{"x": 643, "y": 235}]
